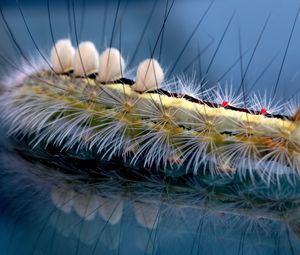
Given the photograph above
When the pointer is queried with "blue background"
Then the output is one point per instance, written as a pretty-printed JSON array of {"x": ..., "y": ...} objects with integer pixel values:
[{"x": 94, "y": 21}]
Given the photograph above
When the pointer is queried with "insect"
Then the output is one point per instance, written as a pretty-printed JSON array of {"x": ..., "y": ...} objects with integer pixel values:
[{"x": 96, "y": 143}]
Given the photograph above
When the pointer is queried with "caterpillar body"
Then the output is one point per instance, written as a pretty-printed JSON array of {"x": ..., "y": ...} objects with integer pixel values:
[
  {"x": 143, "y": 122},
  {"x": 168, "y": 166}
]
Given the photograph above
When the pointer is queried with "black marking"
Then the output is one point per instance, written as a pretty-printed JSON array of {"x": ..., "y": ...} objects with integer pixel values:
[
  {"x": 92, "y": 76},
  {"x": 124, "y": 81},
  {"x": 216, "y": 105}
]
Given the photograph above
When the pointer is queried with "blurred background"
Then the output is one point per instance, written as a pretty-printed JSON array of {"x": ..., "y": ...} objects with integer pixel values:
[
  {"x": 254, "y": 43},
  {"x": 230, "y": 51}
]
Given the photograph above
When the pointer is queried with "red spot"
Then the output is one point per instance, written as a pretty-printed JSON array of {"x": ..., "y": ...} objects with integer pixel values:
[
  {"x": 263, "y": 111},
  {"x": 225, "y": 104}
]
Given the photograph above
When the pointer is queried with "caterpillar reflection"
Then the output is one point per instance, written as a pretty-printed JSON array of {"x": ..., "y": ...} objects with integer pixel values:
[{"x": 145, "y": 164}]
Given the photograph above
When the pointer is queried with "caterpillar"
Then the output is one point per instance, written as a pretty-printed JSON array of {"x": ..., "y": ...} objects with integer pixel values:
[
  {"x": 158, "y": 127},
  {"x": 108, "y": 162}
]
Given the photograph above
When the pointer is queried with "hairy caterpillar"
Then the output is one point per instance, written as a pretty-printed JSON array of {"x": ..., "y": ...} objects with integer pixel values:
[{"x": 209, "y": 201}]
